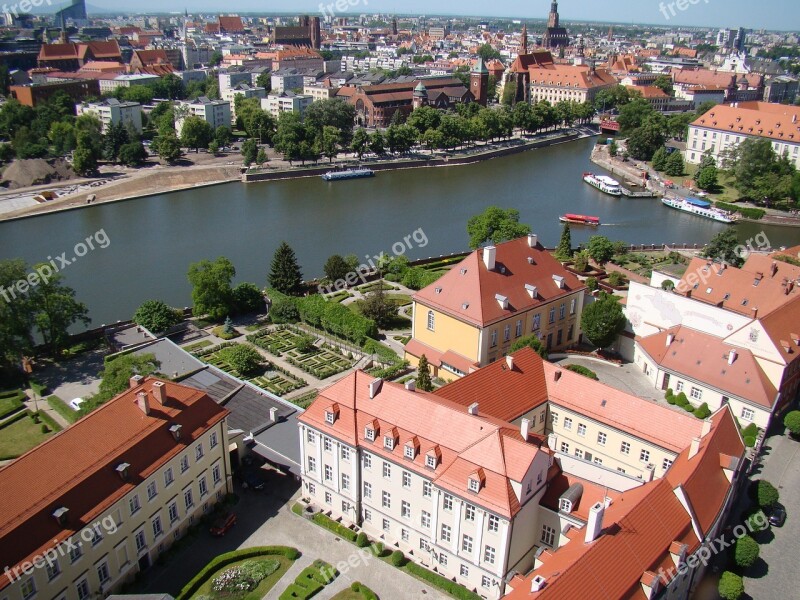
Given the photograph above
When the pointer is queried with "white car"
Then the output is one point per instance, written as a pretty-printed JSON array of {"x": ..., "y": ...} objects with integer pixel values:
[{"x": 76, "y": 404}]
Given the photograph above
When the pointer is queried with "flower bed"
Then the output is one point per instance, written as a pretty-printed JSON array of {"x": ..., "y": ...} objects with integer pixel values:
[{"x": 244, "y": 577}]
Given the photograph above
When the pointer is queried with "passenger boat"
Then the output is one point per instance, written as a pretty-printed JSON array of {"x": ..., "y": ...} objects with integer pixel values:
[
  {"x": 603, "y": 183},
  {"x": 348, "y": 174},
  {"x": 580, "y": 220},
  {"x": 701, "y": 208}
]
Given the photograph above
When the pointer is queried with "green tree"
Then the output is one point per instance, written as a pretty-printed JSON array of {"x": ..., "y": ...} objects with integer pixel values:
[
  {"x": 196, "y": 133},
  {"x": 600, "y": 249},
  {"x": 424, "y": 382},
  {"x": 746, "y": 552},
  {"x": 16, "y": 316},
  {"x": 495, "y": 225},
  {"x": 424, "y": 119},
  {"x": 336, "y": 268},
  {"x": 759, "y": 173},
  {"x": 664, "y": 83},
  {"x": 645, "y": 141},
  {"x": 360, "y": 142},
  {"x": 56, "y": 310},
  {"x": 285, "y": 275},
  {"x": 564, "y": 249},
  {"x": 211, "y": 287},
  {"x": 708, "y": 178},
  {"x": 331, "y": 112},
  {"x": 249, "y": 152},
  {"x": 377, "y": 143},
  {"x": 722, "y": 247},
  {"x": 167, "y": 146},
  {"x": 614, "y": 97},
  {"x": 216, "y": 58},
  {"x": 792, "y": 422},
  {"x": 602, "y": 320},
  {"x": 62, "y": 136},
  {"x": 731, "y": 586},
  {"x": 487, "y": 52},
  {"x": 376, "y": 307},
  {"x": 531, "y": 341},
  {"x": 634, "y": 114},
  {"x": 675, "y": 166},
  {"x": 764, "y": 493},
  {"x": 84, "y": 161},
  {"x": 660, "y": 159},
  {"x": 330, "y": 142},
  {"x": 156, "y": 316},
  {"x": 242, "y": 357},
  {"x": 248, "y": 299},
  {"x": 613, "y": 149},
  {"x": 132, "y": 154},
  {"x": 117, "y": 373},
  {"x": 265, "y": 80},
  {"x": 261, "y": 157},
  {"x": 223, "y": 136}
]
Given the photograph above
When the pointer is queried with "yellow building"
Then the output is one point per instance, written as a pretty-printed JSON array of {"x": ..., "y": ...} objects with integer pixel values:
[{"x": 472, "y": 315}]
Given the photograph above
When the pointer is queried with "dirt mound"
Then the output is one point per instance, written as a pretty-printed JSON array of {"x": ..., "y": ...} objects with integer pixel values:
[{"x": 35, "y": 171}]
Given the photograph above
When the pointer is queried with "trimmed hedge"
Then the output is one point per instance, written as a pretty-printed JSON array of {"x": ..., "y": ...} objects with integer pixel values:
[
  {"x": 310, "y": 581},
  {"x": 580, "y": 370},
  {"x": 451, "y": 587},
  {"x": 398, "y": 559},
  {"x": 366, "y": 593},
  {"x": 11, "y": 403},
  {"x": 335, "y": 527},
  {"x": 61, "y": 407},
  {"x": 231, "y": 557},
  {"x": 747, "y": 213}
]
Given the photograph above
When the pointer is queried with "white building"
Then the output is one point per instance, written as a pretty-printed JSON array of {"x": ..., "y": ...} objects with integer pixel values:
[
  {"x": 287, "y": 80},
  {"x": 242, "y": 90},
  {"x": 128, "y": 80},
  {"x": 230, "y": 79},
  {"x": 113, "y": 112},
  {"x": 216, "y": 113},
  {"x": 275, "y": 104}
]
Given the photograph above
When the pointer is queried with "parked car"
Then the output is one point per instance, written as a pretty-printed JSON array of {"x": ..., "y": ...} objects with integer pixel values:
[
  {"x": 777, "y": 516},
  {"x": 76, "y": 404},
  {"x": 222, "y": 524},
  {"x": 253, "y": 480}
]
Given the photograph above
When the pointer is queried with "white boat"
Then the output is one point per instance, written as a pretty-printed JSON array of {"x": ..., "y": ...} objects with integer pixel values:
[
  {"x": 701, "y": 208},
  {"x": 348, "y": 174},
  {"x": 603, "y": 183}
]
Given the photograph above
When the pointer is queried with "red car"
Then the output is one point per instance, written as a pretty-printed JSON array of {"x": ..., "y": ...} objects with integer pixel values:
[{"x": 222, "y": 524}]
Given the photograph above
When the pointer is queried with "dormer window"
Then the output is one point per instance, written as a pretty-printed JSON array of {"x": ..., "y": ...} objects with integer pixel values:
[
  {"x": 409, "y": 452},
  {"x": 430, "y": 461},
  {"x": 369, "y": 434},
  {"x": 330, "y": 417},
  {"x": 476, "y": 481},
  {"x": 388, "y": 442},
  {"x": 474, "y": 485}
]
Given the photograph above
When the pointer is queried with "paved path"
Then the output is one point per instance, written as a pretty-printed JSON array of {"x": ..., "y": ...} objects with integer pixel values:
[{"x": 627, "y": 378}]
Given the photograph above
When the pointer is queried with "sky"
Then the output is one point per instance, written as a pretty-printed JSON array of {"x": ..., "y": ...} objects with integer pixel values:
[{"x": 764, "y": 14}]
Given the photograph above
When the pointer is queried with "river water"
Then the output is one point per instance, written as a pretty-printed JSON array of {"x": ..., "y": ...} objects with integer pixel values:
[{"x": 153, "y": 240}]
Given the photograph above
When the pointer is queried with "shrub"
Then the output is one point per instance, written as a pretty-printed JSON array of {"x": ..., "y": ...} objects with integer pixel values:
[
  {"x": 746, "y": 551},
  {"x": 750, "y": 431},
  {"x": 284, "y": 310},
  {"x": 45, "y": 428},
  {"x": 749, "y": 441},
  {"x": 688, "y": 407},
  {"x": 452, "y": 588},
  {"x": 335, "y": 527},
  {"x": 617, "y": 279},
  {"x": 731, "y": 586},
  {"x": 702, "y": 411},
  {"x": 757, "y": 521},
  {"x": 379, "y": 548},
  {"x": 244, "y": 577},
  {"x": 747, "y": 213},
  {"x": 398, "y": 559},
  {"x": 591, "y": 283},
  {"x": 297, "y": 508},
  {"x": 245, "y": 359},
  {"x": 671, "y": 399},
  {"x": 792, "y": 422},
  {"x": 763, "y": 493},
  {"x": 581, "y": 370},
  {"x": 61, "y": 407},
  {"x": 362, "y": 541},
  {"x": 670, "y": 393},
  {"x": 366, "y": 593},
  {"x": 681, "y": 399}
]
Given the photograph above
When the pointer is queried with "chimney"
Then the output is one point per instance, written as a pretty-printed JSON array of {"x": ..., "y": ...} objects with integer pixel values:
[
  {"x": 774, "y": 268},
  {"x": 60, "y": 515},
  {"x": 670, "y": 339},
  {"x": 143, "y": 401},
  {"x": 473, "y": 409},
  {"x": 557, "y": 376},
  {"x": 694, "y": 448},
  {"x": 489, "y": 257},
  {"x": 755, "y": 312},
  {"x": 533, "y": 240},
  {"x": 123, "y": 470},
  {"x": 537, "y": 583},
  {"x": 706, "y": 428},
  {"x": 594, "y": 526},
  {"x": 794, "y": 118},
  {"x": 160, "y": 392},
  {"x": 135, "y": 381},
  {"x": 175, "y": 430},
  {"x": 732, "y": 355},
  {"x": 375, "y": 388},
  {"x": 525, "y": 429},
  {"x": 510, "y": 362},
  {"x": 411, "y": 385}
]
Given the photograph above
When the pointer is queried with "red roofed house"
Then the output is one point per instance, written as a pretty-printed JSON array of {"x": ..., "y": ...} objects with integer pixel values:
[
  {"x": 225, "y": 25},
  {"x": 473, "y": 314},
  {"x": 511, "y": 467},
  {"x": 151, "y": 62},
  {"x": 98, "y": 502},
  {"x": 71, "y": 56}
]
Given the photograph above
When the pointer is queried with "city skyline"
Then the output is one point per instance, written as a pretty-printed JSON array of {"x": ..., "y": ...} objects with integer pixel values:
[{"x": 773, "y": 14}]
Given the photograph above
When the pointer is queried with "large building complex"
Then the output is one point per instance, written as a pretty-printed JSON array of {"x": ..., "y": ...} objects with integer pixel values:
[
  {"x": 216, "y": 113},
  {"x": 113, "y": 112}
]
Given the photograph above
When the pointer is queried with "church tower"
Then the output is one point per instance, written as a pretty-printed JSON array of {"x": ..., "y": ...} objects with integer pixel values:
[
  {"x": 552, "y": 21},
  {"x": 479, "y": 82},
  {"x": 524, "y": 45},
  {"x": 420, "y": 96}
]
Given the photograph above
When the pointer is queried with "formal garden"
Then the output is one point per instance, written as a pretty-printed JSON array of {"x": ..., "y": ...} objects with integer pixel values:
[{"x": 23, "y": 431}]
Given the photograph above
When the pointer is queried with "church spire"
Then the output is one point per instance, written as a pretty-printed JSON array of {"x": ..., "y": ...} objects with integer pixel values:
[{"x": 524, "y": 46}]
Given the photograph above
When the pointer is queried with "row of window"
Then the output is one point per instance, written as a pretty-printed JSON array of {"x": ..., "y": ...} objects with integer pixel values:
[
  {"x": 518, "y": 330},
  {"x": 748, "y": 414}
]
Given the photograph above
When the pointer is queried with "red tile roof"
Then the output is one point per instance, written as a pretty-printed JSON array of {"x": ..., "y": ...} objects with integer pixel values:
[
  {"x": 468, "y": 291},
  {"x": 774, "y": 121},
  {"x": 231, "y": 24},
  {"x": 76, "y": 467},
  {"x": 571, "y": 76}
]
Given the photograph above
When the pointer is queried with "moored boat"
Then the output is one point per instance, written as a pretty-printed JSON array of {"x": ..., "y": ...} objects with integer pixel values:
[
  {"x": 580, "y": 220},
  {"x": 348, "y": 174},
  {"x": 701, "y": 208},
  {"x": 603, "y": 183}
]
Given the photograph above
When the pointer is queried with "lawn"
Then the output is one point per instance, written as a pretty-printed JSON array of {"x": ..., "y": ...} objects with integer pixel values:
[
  {"x": 259, "y": 592},
  {"x": 63, "y": 409},
  {"x": 396, "y": 322},
  {"x": 10, "y": 402},
  {"x": 319, "y": 362},
  {"x": 198, "y": 346},
  {"x": 22, "y": 435}
]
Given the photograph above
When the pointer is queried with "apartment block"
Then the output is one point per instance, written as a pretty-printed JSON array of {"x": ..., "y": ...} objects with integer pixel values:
[
  {"x": 113, "y": 112},
  {"x": 286, "y": 102},
  {"x": 214, "y": 112}
]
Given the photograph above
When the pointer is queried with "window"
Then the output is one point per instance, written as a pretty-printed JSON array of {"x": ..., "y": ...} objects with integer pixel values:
[
  {"x": 134, "y": 504},
  {"x": 369, "y": 434},
  {"x": 537, "y": 322},
  {"x": 486, "y": 582},
  {"x": 173, "y": 512},
  {"x": 625, "y": 448},
  {"x": 168, "y": 477},
  {"x": 198, "y": 451},
  {"x": 565, "y": 447},
  {"x": 679, "y": 386},
  {"x": 215, "y": 475},
  {"x": 474, "y": 485},
  {"x": 572, "y": 304},
  {"x": 426, "y": 489},
  {"x": 548, "y": 535},
  {"x": 597, "y": 460},
  {"x": 518, "y": 331},
  {"x": 96, "y": 535},
  {"x": 488, "y": 555},
  {"x": 404, "y": 535},
  {"x": 469, "y": 512},
  {"x": 28, "y": 588},
  {"x": 367, "y": 461},
  {"x": 494, "y": 523},
  {"x": 431, "y": 321},
  {"x": 386, "y": 500},
  {"x": 203, "y": 486},
  {"x": 748, "y": 414},
  {"x": 75, "y": 552},
  {"x": 464, "y": 571},
  {"x": 386, "y": 525},
  {"x": 562, "y": 311},
  {"x": 188, "y": 501},
  {"x": 367, "y": 489},
  {"x": 430, "y": 461},
  {"x": 666, "y": 464},
  {"x": 387, "y": 470},
  {"x": 447, "y": 502},
  {"x": 52, "y": 568},
  {"x": 328, "y": 473},
  {"x": 443, "y": 559},
  {"x": 327, "y": 443},
  {"x": 367, "y": 514},
  {"x": 328, "y": 498},
  {"x": 541, "y": 417},
  {"x": 466, "y": 543},
  {"x": 571, "y": 333},
  {"x": 601, "y": 438},
  {"x": 345, "y": 481},
  {"x": 425, "y": 519},
  {"x": 141, "y": 543},
  {"x": 345, "y": 453},
  {"x": 579, "y": 452},
  {"x": 554, "y": 418},
  {"x": 152, "y": 492},
  {"x": 445, "y": 534},
  {"x": 345, "y": 506},
  {"x": 581, "y": 429},
  {"x": 494, "y": 338},
  {"x": 330, "y": 418},
  {"x": 406, "y": 479},
  {"x": 82, "y": 587},
  {"x": 312, "y": 489},
  {"x": 310, "y": 437},
  {"x": 212, "y": 440},
  {"x": 409, "y": 452},
  {"x": 157, "y": 529},
  {"x": 567, "y": 423},
  {"x": 507, "y": 333},
  {"x": 312, "y": 464},
  {"x": 552, "y": 315},
  {"x": 184, "y": 463},
  {"x": 696, "y": 393},
  {"x": 405, "y": 510},
  {"x": 644, "y": 456}
]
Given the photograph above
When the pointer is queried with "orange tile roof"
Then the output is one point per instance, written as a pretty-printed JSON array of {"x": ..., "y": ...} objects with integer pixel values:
[
  {"x": 705, "y": 358},
  {"x": 774, "y": 121},
  {"x": 468, "y": 291},
  {"x": 704, "y": 77},
  {"x": 650, "y": 91},
  {"x": 231, "y": 24},
  {"x": 466, "y": 442},
  {"x": 571, "y": 76},
  {"x": 76, "y": 467},
  {"x": 592, "y": 493}
]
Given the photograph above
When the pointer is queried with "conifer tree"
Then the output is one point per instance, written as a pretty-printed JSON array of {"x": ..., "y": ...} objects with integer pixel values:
[
  {"x": 285, "y": 275},
  {"x": 424, "y": 382}
]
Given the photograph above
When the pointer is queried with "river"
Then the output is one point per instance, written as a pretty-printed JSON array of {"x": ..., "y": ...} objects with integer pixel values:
[{"x": 153, "y": 240}]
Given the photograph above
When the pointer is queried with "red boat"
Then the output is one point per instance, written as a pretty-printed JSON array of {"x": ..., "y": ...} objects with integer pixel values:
[{"x": 580, "y": 220}]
